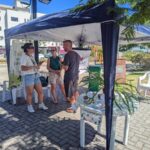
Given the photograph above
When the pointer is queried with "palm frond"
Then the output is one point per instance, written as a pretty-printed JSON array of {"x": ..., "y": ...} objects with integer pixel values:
[{"x": 127, "y": 93}]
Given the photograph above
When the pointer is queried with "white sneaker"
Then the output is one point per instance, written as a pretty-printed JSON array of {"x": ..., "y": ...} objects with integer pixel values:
[
  {"x": 42, "y": 106},
  {"x": 30, "y": 109}
]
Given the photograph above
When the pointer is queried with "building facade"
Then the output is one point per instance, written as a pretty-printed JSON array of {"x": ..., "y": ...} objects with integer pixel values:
[{"x": 11, "y": 16}]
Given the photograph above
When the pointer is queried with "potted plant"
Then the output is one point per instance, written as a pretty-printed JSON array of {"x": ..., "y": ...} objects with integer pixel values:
[
  {"x": 14, "y": 82},
  {"x": 81, "y": 41},
  {"x": 126, "y": 95}
]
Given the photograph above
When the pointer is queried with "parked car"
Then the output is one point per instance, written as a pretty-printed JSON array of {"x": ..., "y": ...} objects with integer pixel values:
[
  {"x": 41, "y": 56},
  {"x": 47, "y": 55}
]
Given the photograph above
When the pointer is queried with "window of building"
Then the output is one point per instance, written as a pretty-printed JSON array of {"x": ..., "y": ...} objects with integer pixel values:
[
  {"x": 14, "y": 19},
  {"x": 1, "y": 37},
  {"x": 26, "y": 20},
  {"x": 0, "y": 28}
]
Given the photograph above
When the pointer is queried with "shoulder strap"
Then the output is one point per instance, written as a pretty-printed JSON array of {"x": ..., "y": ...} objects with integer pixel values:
[{"x": 33, "y": 61}]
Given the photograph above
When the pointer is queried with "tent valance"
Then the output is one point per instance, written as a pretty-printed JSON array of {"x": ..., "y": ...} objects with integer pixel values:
[{"x": 59, "y": 26}]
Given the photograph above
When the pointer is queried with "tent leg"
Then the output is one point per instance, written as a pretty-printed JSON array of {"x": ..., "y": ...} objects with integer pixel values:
[
  {"x": 113, "y": 133},
  {"x": 110, "y": 34}
]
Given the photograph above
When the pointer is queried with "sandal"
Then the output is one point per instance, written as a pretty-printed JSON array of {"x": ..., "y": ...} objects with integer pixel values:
[
  {"x": 67, "y": 100},
  {"x": 70, "y": 110}
]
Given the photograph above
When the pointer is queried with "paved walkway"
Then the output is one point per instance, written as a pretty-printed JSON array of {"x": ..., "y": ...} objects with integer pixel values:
[
  {"x": 55, "y": 129},
  {"x": 3, "y": 73}
]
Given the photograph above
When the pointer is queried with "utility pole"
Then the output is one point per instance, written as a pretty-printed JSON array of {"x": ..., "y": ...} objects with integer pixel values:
[
  {"x": 33, "y": 16},
  {"x": 33, "y": 10}
]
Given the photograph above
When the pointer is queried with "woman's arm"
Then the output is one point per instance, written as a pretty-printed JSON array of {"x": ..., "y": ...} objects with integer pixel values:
[
  {"x": 48, "y": 64},
  {"x": 26, "y": 68},
  {"x": 65, "y": 67}
]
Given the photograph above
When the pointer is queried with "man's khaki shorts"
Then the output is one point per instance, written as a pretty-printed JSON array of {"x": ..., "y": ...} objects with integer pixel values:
[{"x": 55, "y": 79}]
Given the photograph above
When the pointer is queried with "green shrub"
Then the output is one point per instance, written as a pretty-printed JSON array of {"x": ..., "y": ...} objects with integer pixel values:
[
  {"x": 2, "y": 60},
  {"x": 128, "y": 55},
  {"x": 139, "y": 58},
  {"x": 146, "y": 62}
]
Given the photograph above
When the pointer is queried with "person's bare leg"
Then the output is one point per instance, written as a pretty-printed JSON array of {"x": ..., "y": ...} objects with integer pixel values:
[
  {"x": 29, "y": 91},
  {"x": 53, "y": 91},
  {"x": 76, "y": 95},
  {"x": 63, "y": 90},
  {"x": 38, "y": 88}
]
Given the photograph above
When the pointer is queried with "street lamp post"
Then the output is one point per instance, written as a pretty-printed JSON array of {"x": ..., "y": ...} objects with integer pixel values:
[{"x": 33, "y": 6}]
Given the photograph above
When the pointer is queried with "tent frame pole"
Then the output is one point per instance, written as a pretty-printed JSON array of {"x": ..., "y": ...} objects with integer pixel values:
[{"x": 110, "y": 37}]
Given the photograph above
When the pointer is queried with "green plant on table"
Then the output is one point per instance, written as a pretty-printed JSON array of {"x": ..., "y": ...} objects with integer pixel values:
[{"x": 95, "y": 79}]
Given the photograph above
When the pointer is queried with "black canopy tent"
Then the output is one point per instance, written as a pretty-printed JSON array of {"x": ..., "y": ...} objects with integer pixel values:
[{"x": 95, "y": 24}]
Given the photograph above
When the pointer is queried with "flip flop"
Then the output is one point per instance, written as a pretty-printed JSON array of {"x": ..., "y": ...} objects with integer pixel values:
[{"x": 70, "y": 110}]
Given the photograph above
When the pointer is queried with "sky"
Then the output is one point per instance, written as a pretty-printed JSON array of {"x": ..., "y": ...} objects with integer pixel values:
[{"x": 54, "y": 6}]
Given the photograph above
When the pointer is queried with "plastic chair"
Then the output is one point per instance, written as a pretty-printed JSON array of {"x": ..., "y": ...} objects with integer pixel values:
[{"x": 144, "y": 86}]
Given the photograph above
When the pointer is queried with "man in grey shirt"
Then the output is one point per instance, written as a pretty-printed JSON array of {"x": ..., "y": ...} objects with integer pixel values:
[{"x": 71, "y": 66}]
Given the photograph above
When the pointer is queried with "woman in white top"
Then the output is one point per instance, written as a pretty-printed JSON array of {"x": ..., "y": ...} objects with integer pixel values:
[{"x": 29, "y": 71}]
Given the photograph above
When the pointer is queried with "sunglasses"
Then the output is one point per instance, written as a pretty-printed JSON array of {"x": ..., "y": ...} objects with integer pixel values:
[{"x": 31, "y": 47}]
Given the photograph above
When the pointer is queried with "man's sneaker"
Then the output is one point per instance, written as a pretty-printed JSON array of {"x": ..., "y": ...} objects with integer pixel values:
[
  {"x": 42, "y": 106},
  {"x": 30, "y": 109}
]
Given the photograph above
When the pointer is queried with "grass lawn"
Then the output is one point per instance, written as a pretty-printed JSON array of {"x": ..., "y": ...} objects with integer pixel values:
[{"x": 133, "y": 78}]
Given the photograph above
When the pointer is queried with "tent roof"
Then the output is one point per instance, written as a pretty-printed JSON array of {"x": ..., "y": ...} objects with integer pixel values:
[{"x": 70, "y": 25}]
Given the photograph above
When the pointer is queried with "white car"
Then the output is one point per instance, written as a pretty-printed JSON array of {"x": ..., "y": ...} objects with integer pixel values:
[{"x": 41, "y": 56}]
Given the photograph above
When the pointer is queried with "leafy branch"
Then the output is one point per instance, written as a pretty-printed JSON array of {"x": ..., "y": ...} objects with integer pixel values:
[{"x": 138, "y": 14}]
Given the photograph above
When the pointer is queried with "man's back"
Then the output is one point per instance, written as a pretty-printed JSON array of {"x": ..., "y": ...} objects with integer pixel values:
[{"x": 72, "y": 60}]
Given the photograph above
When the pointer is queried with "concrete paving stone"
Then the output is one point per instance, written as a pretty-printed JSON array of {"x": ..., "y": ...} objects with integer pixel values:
[
  {"x": 130, "y": 147},
  {"x": 73, "y": 148},
  {"x": 55, "y": 139},
  {"x": 72, "y": 144},
  {"x": 135, "y": 139},
  {"x": 147, "y": 134},
  {"x": 142, "y": 137},
  {"x": 139, "y": 145},
  {"x": 145, "y": 141},
  {"x": 145, "y": 148},
  {"x": 51, "y": 124},
  {"x": 147, "y": 145}
]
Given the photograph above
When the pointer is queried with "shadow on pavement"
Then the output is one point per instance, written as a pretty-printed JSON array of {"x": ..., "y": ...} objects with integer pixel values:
[{"x": 41, "y": 130}]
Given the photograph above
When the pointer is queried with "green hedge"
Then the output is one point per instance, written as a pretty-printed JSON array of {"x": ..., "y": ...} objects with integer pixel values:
[{"x": 140, "y": 58}]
